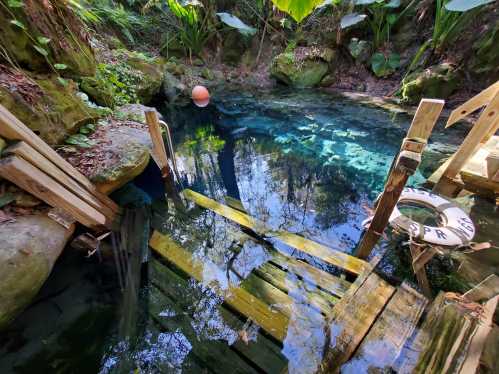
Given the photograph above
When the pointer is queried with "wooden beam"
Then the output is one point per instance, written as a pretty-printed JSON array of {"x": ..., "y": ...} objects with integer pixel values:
[
  {"x": 13, "y": 129},
  {"x": 328, "y": 255},
  {"x": 158, "y": 145},
  {"x": 24, "y": 150},
  {"x": 407, "y": 161},
  {"x": 351, "y": 320},
  {"x": 273, "y": 322},
  {"x": 34, "y": 181},
  {"x": 492, "y": 161},
  {"x": 488, "y": 119},
  {"x": 383, "y": 344},
  {"x": 473, "y": 104},
  {"x": 420, "y": 272}
]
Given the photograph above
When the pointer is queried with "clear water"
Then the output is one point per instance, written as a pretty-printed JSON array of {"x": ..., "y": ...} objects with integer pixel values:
[{"x": 308, "y": 162}]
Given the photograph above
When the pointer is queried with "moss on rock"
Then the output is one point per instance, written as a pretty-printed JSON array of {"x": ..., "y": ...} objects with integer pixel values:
[
  {"x": 438, "y": 81},
  {"x": 29, "y": 248},
  {"x": 304, "y": 67}
]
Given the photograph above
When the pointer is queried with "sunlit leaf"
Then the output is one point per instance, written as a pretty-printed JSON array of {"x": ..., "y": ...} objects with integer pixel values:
[
  {"x": 352, "y": 19},
  {"x": 465, "y": 5},
  {"x": 393, "y": 4},
  {"x": 365, "y": 2},
  {"x": 236, "y": 23},
  {"x": 15, "y": 3},
  {"x": 41, "y": 50},
  {"x": 43, "y": 40},
  {"x": 18, "y": 24},
  {"x": 60, "y": 66},
  {"x": 297, "y": 9},
  {"x": 62, "y": 81}
]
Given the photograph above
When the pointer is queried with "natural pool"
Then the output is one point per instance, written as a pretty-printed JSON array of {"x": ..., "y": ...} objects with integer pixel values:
[{"x": 307, "y": 162}]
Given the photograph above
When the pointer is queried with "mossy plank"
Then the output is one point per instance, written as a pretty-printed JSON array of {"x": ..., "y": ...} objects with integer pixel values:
[
  {"x": 352, "y": 318},
  {"x": 215, "y": 355},
  {"x": 384, "y": 342},
  {"x": 328, "y": 255},
  {"x": 441, "y": 341},
  {"x": 263, "y": 352},
  {"x": 236, "y": 297}
]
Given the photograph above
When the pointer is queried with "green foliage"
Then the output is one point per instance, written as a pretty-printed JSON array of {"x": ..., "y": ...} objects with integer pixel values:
[
  {"x": 192, "y": 29},
  {"x": 383, "y": 65},
  {"x": 297, "y": 9},
  {"x": 79, "y": 140},
  {"x": 203, "y": 141},
  {"x": 447, "y": 25},
  {"x": 122, "y": 79},
  {"x": 234, "y": 22}
]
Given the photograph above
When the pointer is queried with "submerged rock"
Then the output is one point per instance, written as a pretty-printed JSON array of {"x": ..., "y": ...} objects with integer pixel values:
[
  {"x": 438, "y": 81},
  {"x": 29, "y": 247},
  {"x": 304, "y": 67}
]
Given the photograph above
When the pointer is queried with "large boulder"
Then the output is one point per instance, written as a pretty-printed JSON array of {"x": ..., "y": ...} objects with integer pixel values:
[
  {"x": 234, "y": 46},
  {"x": 41, "y": 31},
  {"x": 29, "y": 247},
  {"x": 438, "y": 81},
  {"x": 51, "y": 109},
  {"x": 120, "y": 152},
  {"x": 304, "y": 67}
]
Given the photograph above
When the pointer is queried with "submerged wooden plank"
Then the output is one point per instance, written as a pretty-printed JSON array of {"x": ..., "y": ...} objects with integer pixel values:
[
  {"x": 242, "y": 301},
  {"x": 328, "y": 255},
  {"x": 384, "y": 342},
  {"x": 260, "y": 350},
  {"x": 352, "y": 318}
]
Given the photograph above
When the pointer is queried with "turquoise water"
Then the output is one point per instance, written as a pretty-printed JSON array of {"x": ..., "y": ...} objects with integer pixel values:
[{"x": 308, "y": 162}]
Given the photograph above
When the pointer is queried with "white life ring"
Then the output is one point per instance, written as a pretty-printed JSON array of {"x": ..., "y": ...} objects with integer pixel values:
[{"x": 457, "y": 229}]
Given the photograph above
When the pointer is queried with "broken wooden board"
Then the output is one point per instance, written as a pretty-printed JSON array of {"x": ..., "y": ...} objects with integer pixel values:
[
  {"x": 384, "y": 342},
  {"x": 13, "y": 129},
  {"x": 29, "y": 178},
  {"x": 475, "y": 172},
  {"x": 262, "y": 352},
  {"x": 28, "y": 153},
  {"x": 352, "y": 318},
  {"x": 275, "y": 323},
  {"x": 486, "y": 289},
  {"x": 328, "y": 255},
  {"x": 442, "y": 341}
]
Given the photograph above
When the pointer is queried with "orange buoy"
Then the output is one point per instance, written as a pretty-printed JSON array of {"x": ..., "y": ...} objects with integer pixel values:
[{"x": 200, "y": 96}]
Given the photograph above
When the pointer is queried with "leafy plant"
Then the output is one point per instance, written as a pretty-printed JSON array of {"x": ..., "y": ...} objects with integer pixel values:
[
  {"x": 297, "y": 9},
  {"x": 234, "y": 22},
  {"x": 383, "y": 65},
  {"x": 122, "y": 80},
  {"x": 450, "y": 17},
  {"x": 80, "y": 140}
]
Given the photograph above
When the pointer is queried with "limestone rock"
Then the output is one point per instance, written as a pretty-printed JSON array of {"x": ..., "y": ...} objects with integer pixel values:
[
  {"x": 120, "y": 152},
  {"x": 233, "y": 47},
  {"x": 304, "y": 67},
  {"x": 29, "y": 248},
  {"x": 438, "y": 82},
  {"x": 134, "y": 112},
  {"x": 42, "y": 103},
  {"x": 207, "y": 74},
  {"x": 173, "y": 88}
]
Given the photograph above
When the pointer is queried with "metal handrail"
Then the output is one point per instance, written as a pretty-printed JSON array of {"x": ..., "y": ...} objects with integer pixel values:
[{"x": 169, "y": 144}]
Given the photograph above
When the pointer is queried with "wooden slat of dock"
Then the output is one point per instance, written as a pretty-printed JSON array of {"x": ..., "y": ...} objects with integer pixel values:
[{"x": 328, "y": 255}]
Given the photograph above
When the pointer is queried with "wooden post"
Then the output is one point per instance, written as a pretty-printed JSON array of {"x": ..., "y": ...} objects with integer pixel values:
[
  {"x": 406, "y": 163},
  {"x": 28, "y": 153},
  {"x": 159, "y": 151},
  {"x": 420, "y": 272},
  {"x": 39, "y": 184},
  {"x": 489, "y": 120},
  {"x": 13, "y": 129}
]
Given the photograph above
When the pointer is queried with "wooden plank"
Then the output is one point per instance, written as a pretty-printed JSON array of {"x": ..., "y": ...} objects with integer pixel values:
[
  {"x": 425, "y": 118},
  {"x": 263, "y": 352},
  {"x": 352, "y": 318},
  {"x": 29, "y": 178},
  {"x": 492, "y": 161},
  {"x": 13, "y": 129},
  {"x": 472, "y": 359},
  {"x": 420, "y": 273},
  {"x": 158, "y": 145},
  {"x": 384, "y": 342},
  {"x": 486, "y": 289},
  {"x": 488, "y": 119},
  {"x": 328, "y": 255},
  {"x": 473, "y": 104},
  {"x": 242, "y": 301},
  {"x": 406, "y": 163},
  {"x": 24, "y": 150}
]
